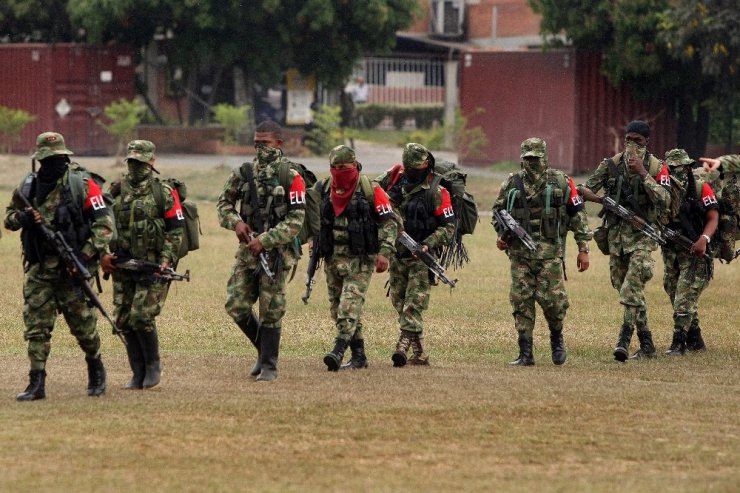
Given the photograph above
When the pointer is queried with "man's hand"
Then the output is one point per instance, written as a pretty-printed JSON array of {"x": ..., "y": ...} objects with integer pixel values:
[
  {"x": 255, "y": 246},
  {"x": 710, "y": 164},
  {"x": 699, "y": 248},
  {"x": 501, "y": 244},
  {"x": 106, "y": 263},
  {"x": 381, "y": 263},
  {"x": 635, "y": 166},
  {"x": 582, "y": 261},
  {"x": 243, "y": 231}
]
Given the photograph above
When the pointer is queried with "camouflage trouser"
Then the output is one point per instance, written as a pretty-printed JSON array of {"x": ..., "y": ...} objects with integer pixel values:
[
  {"x": 539, "y": 280},
  {"x": 138, "y": 301},
  {"x": 46, "y": 294},
  {"x": 410, "y": 290},
  {"x": 248, "y": 284},
  {"x": 629, "y": 273},
  {"x": 347, "y": 280},
  {"x": 684, "y": 279}
]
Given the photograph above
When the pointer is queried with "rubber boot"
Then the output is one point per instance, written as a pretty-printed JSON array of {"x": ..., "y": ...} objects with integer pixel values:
[
  {"x": 150, "y": 342},
  {"x": 95, "y": 377},
  {"x": 678, "y": 346},
  {"x": 333, "y": 359},
  {"x": 526, "y": 358},
  {"x": 694, "y": 340},
  {"x": 647, "y": 348},
  {"x": 402, "y": 347},
  {"x": 622, "y": 351},
  {"x": 269, "y": 351},
  {"x": 358, "y": 360},
  {"x": 557, "y": 345},
  {"x": 251, "y": 329},
  {"x": 135, "y": 352},
  {"x": 419, "y": 357},
  {"x": 36, "y": 387}
]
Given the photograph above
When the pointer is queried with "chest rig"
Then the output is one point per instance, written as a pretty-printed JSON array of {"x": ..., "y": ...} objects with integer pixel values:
[
  {"x": 263, "y": 201},
  {"x": 627, "y": 189},
  {"x": 361, "y": 230},
  {"x": 139, "y": 220},
  {"x": 543, "y": 212}
]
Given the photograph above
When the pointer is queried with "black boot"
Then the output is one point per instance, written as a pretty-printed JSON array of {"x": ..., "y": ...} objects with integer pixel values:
[
  {"x": 36, "y": 387},
  {"x": 251, "y": 329},
  {"x": 647, "y": 348},
  {"x": 135, "y": 352},
  {"x": 333, "y": 359},
  {"x": 694, "y": 340},
  {"x": 402, "y": 347},
  {"x": 526, "y": 358},
  {"x": 150, "y": 343},
  {"x": 95, "y": 377},
  {"x": 557, "y": 345},
  {"x": 269, "y": 350},
  {"x": 420, "y": 357},
  {"x": 678, "y": 346},
  {"x": 622, "y": 351},
  {"x": 358, "y": 360}
]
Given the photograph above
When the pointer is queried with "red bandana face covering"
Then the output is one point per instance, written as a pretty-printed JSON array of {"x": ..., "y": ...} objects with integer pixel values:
[{"x": 344, "y": 181}]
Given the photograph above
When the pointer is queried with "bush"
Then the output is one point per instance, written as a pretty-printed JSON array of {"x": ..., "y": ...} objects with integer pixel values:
[
  {"x": 12, "y": 122},
  {"x": 124, "y": 117},
  {"x": 325, "y": 132},
  {"x": 425, "y": 115},
  {"x": 233, "y": 119}
]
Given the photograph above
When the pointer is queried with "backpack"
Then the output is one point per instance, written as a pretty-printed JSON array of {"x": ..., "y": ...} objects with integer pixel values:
[
  {"x": 191, "y": 236},
  {"x": 312, "y": 221}
]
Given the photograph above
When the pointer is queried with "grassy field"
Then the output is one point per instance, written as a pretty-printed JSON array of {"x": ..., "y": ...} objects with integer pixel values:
[{"x": 466, "y": 423}]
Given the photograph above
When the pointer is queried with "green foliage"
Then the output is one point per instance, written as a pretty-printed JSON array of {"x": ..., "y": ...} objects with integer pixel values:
[
  {"x": 466, "y": 140},
  {"x": 425, "y": 115},
  {"x": 12, "y": 122},
  {"x": 124, "y": 116},
  {"x": 233, "y": 119},
  {"x": 326, "y": 132},
  {"x": 27, "y": 21}
]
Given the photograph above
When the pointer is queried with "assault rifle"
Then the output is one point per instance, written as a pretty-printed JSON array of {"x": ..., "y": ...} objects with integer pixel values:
[
  {"x": 74, "y": 265},
  {"x": 426, "y": 257},
  {"x": 313, "y": 264},
  {"x": 631, "y": 217},
  {"x": 504, "y": 224},
  {"x": 144, "y": 266},
  {"x": 684, "y": 242}
]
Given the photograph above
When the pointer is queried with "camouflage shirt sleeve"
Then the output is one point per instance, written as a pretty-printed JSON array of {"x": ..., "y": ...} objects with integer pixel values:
[
  {"x": 578, "y": 219},
  {"x": 388, "y": 223},
  {"x": 11, "y": 213},
  {"x": 445, "y": 219},
  {"x": 286, "y": 230},
  {"x": 174, "y": 225},
  {"x": 101, "y": 223},
  {"x": 658, "y": 194},
  {"x": 598, "y": 178},
  {"x": 228, "y": 215},
  {"x": 730, "y": 163},
  {"x": 500, "y": 202}
]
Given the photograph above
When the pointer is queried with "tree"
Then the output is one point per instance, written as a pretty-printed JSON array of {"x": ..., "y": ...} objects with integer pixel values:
[
  {"x": 636, "y": 38},
  {"x": 12, "y": 122},
  {"x": 124, "y": 117},
  {"x": 25, "y": 21}
]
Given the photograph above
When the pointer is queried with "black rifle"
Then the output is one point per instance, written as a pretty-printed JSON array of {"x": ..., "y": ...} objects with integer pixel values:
[
  {"x": 506, "y": 226},
  {"x": 426, "y": 257},
  {"x": 631, "y": 217},
  {"x": 313, "y": 263},
  {"x": 74, "y": 265},
  {"x": 684, "y": 242},
  {"x": 265, "y": 262},
  {"x": 146, "y": 267}
]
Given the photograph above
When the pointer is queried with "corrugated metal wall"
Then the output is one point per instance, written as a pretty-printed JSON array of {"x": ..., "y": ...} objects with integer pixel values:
[
  {"x": 558, "y": 96},
  {"x": 38, "y": 77}
]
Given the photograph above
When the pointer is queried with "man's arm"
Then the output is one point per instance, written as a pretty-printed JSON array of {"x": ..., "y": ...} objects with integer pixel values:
[
  {"x": 445, "y": 220},
  {"x": 228, "y": 215},
  {"x": 101, "y": 223},
  {"x": 174, "y": 226}
]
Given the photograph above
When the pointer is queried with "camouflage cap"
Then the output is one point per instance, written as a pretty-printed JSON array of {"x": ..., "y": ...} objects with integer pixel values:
[
  {"x": 414, "y": 155},
  {"x": 677, "y": 157},
  {"x": 141, "y": 150},
  {"x": 50, "y": 144},
  {"x": 534, "y": 147},
  {"x": 341, "y": 154}
]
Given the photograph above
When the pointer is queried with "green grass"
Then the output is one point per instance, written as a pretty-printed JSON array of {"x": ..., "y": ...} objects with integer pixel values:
[{"x": 466, "y": 423}]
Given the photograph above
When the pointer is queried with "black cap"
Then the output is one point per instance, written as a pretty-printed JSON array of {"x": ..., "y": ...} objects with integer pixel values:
[{"x": 638, "y": 127}]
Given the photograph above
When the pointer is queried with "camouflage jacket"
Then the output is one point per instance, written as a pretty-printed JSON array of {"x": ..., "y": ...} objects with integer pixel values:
[
  {"x": 143, "y": 230},
  {"x": 567, "y": 211},
  {"x": 282, "y": 235},
  {"x": 623, "y": 238},
  {"x": 93, "y": 208}
]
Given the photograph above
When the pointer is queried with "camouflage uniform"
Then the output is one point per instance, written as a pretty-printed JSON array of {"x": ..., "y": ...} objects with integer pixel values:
[
  {"x": 150, "y": 231},
  {"x": 248, "y": 282},
  {"x": 685, "y": 276},
  {"x": 538, "y": 276},
  {"x": 48, "y": 288},
  {"x": 728, "y": 194},
  {"x": 630, "y": 251},
  {"x": 410, "y": 283},
  {"x": 348, "y": 273}
]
